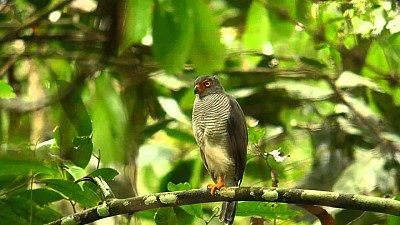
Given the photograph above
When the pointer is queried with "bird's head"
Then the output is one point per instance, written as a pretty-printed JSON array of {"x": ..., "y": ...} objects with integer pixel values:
[{"x": 205, "y": 85}]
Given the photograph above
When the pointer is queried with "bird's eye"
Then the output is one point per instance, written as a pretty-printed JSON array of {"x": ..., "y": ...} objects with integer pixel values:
[{"x": 207, "y": 83}]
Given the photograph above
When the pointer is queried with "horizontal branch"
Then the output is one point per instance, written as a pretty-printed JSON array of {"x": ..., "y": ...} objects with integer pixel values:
[{"x": 114, "y": 207}]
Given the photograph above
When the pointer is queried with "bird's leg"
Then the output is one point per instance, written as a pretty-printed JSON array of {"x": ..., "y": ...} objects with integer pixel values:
[{"x": 216, "y": 186}]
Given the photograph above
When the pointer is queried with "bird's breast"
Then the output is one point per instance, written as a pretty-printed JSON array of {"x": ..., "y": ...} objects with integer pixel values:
[{"x": 210, "y": 118}]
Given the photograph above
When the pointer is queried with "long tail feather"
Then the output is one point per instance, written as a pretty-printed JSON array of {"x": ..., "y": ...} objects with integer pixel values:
[{"x": 228, "y": 212}]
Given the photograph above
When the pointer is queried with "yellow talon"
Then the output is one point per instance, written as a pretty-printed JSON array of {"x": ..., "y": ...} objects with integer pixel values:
[{"x": 217, "y": 186}]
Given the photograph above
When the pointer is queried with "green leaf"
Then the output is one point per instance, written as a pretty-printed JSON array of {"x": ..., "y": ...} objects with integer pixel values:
[
  {"x": 82, "y": 151},
  {"x": 8, "y": 216},
  {"x": 136, "y": 22},
  {"x": 180, "y": 135},
  {"x": 171, "y": 107},
  {"x": 257, "y": 29},
  {"x": 87, "y": 198},
  {"x": 172, "y": 33},
  {"x": 178, "y": 187},
  {"x": 194, "y": 209},
  {"x": 75, "y": 171},
  {"x": 92, "y": 198},
  {"x": 184, "y": 218},
  {"x": 393, "y": 220},
  {"x": 303, "y": 89},
  {"x": 207, "y": 52},
  {"x": 41, "y": 196},
  {"x": 20, "y": 210},
  {"x": 107, "y": 174},
  {"x": 146, "y": 214},
  {"x": 256, "y": 133},
  {"x": 74, "y": 108},
  {"x": 181, "y": 171},
  {"x": 109, "y": 119},
  {"x": 265, "y": 210},
  {"x": 6, "y": 91},
  {"x": 23, "y": 167},
  {"x": 165, "y": 216},
  {"x": 149, "y": 130}
]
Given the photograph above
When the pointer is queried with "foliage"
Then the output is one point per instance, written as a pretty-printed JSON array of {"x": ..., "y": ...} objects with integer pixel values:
[{"x": 95, "y": 87}]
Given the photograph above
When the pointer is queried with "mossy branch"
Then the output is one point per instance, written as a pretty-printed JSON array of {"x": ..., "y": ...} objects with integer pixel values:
[{"x": 112, "y": 207}]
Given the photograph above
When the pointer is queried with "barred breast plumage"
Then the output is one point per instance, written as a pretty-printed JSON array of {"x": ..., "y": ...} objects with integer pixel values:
[{"x": 210, "y": 117}]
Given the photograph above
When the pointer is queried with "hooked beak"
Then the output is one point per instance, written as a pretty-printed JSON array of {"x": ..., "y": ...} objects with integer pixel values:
[{"x": 197, "y": 89}]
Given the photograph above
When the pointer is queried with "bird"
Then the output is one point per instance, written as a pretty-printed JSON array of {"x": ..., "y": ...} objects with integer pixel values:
[{"x": 219, "y": 127}]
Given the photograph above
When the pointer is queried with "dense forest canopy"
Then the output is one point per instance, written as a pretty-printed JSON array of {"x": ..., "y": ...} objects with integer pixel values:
[{"x": 105, "y": 89}]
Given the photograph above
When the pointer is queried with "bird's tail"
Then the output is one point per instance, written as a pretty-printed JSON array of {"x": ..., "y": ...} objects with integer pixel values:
[{"x": 228, "y": 212}]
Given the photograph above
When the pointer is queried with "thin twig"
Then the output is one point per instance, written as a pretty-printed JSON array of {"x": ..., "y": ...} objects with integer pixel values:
[
  {"x": 33, "y": 20},
  {"x": 10, "y": 61}
]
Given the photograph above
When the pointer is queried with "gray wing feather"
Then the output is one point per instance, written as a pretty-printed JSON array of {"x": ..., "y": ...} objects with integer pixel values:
[{"x": 238, "y": 137}]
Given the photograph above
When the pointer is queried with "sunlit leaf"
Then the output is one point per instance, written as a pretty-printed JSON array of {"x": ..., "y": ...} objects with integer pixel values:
[
  {"x": 173, "y": 110},
  {"x": 348, "y": 79},
  {"x": 107, "y": 174},
  {"x": 256, "y": 133},
  {"x": 172, "y": 33},
  {"x": 109, "y": 120},
  {"x": 178, "y": 187},
  {"x": 171, "y": 82},
  {"x": 136, "y": 23},
  {"x": 303, "y": 90},
  {"x": 207, "y": 52},
  {"x": 6, "y": 91},
  {"x": 75, "y": 171}
]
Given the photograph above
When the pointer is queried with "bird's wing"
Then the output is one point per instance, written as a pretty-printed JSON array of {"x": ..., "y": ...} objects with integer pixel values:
[{"x": 237, "y": 132}]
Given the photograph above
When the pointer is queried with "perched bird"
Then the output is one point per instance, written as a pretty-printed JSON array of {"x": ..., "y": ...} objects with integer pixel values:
[{"x": 220, "y": 130}]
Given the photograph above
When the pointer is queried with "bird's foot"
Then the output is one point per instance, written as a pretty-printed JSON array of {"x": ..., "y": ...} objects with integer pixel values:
[{"x": 217, "y": 186}]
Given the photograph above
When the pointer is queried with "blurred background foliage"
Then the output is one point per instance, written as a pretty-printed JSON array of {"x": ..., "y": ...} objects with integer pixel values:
[{"x": 104, "y": 87}]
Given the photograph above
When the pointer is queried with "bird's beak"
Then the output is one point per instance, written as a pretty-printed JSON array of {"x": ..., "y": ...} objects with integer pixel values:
[{"x": 197, "y": 89}]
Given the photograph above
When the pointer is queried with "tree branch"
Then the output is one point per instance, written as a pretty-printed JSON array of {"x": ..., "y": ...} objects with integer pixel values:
[{"x": 114, "y": 207}]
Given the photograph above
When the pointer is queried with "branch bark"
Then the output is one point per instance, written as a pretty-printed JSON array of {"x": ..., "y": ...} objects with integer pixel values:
[{"x": 114, "y": 207}]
